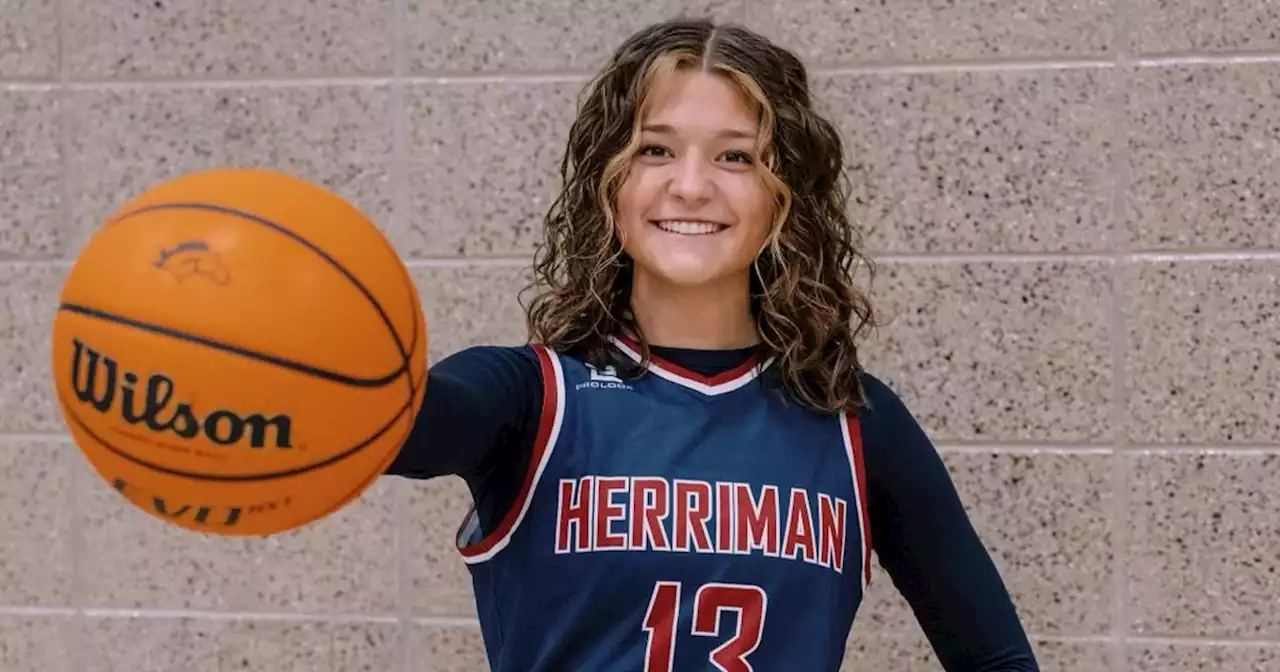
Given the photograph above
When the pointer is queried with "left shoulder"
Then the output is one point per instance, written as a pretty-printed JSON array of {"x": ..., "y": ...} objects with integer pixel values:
[
  {"x": 887, "y": 425},
  {"x": 881, "y": 401}
]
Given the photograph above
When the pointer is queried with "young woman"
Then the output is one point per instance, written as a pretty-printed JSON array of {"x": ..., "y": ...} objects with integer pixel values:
[{"x": 688, "y": 468}]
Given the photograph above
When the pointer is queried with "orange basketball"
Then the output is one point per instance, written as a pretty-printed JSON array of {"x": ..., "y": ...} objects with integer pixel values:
[{"x": 239, "y": 352}]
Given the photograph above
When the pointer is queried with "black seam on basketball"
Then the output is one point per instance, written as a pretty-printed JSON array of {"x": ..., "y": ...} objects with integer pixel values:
[
  {"x": 240, "y": 478},
  {"x": 299, "y": 367},
  {"x": 415, "y": 306},
  {"x": 347, "y": 498},
  {"x": 287, "y": 233},
  {"x": 408, "y": 360}
]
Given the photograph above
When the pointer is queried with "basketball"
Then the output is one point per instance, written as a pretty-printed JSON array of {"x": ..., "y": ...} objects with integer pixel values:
[{"x": 239, "y": 352}]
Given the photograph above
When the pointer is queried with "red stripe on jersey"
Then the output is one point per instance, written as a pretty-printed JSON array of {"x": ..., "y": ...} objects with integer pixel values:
[
  {"x": 546, "y": 423},
  {"x": 856, "y": 461},
  {"x": 677, "y": 370}
]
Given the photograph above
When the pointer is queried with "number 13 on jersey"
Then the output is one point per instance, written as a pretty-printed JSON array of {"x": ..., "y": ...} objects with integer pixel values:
[{"x": 748, "y": 603}]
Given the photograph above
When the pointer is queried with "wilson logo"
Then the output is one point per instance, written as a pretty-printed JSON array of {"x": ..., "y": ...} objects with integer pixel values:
[{"x": 100, "y": 382}]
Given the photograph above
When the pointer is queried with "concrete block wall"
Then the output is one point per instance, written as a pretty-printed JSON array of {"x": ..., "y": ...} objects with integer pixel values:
[{"x": 1075, "y": 206}]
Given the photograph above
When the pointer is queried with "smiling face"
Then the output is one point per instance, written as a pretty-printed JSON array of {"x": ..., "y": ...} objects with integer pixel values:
[
  {"x": 606, "y": 267},
  {"x": 694, "y": 209}
]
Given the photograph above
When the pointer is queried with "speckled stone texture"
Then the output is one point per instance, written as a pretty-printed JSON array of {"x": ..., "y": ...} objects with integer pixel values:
[
  {"x": 1180, "y": 26},
  {"x": 31, "y": 643},
  {"x": 484, "y": 160},
  {"x": 1046, "y": 519},
  {"x": 223, "y": 38},
  {"x": 204, "y": 645},
  {"x": 1077, "y": 260},
  {"x": 446, "y": 648},
  {"x": 27, "y": 306},
  {"x": 998, "y": 351},
  {"x": 855, "y": 31},
  {"x": 451, "y": 36},
  {"x": 126, "y": 139},
  {"x": 438, "y": 582},
  {"x": 473, "y": 305},
  {"x": 1204, "y": 156},
  {"x": 345, "y": 563},
  {"x": 1203, "y": 548},
  {"x": 912, "y": 653},
  {"x": 985, "y": 161},
  {"x": 157, "y": 644},
  {"x": 28, "y": 39},
  {"x": 36, "y": 470},
  {"x": 1204, "y": 352},
  {"x": 1204, "y": 658},
  {"x": 30, "y": 175}
]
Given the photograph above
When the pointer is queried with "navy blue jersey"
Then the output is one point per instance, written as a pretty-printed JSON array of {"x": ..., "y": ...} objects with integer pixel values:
[
  {"x": 483, "y": 416},
  {"x": 675, "y": 522}
]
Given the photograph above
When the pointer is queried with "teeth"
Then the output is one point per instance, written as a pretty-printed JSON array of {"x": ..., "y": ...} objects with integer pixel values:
[{"x": 688, "y": 228}]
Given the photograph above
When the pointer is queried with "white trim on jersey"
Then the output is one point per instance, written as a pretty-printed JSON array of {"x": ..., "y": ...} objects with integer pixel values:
[
  {"x": 532, "y": 486},
  {"x": 709, "y": 389},
  {"x": 860, "y": 501}
]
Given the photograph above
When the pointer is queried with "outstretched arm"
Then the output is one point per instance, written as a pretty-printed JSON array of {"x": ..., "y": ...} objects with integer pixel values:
[
  {"x": 925, "y": 541},
  {"x": 476, "y": 399}
]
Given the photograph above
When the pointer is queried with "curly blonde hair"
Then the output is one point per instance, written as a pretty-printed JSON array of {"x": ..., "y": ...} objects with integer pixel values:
[{"x": 807, "y": 310}]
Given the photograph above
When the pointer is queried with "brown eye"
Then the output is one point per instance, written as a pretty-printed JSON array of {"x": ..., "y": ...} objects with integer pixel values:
[{"x": 651, "y": 150}]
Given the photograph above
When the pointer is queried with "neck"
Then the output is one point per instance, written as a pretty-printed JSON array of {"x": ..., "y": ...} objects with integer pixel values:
[{"x": 711, "y": 317}]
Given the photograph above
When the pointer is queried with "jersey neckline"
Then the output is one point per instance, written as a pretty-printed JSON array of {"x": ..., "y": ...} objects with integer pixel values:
[{"x": 721, "y": 383}]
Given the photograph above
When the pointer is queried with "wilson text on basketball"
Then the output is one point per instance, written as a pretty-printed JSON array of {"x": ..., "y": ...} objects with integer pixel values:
[{"x": 100, "y": 382}]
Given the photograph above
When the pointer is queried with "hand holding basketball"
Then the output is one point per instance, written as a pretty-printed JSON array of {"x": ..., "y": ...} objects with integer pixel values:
[{"x": 239, "y": 352}]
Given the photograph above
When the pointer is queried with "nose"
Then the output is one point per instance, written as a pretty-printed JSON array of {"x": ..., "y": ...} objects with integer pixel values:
[{"x": 691, "y": 179}]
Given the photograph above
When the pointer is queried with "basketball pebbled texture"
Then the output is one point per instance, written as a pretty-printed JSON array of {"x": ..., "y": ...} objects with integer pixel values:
[{"x": 239, "y": 351}]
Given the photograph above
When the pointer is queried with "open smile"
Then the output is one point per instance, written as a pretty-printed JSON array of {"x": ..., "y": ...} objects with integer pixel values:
[{"x": 689, "y": 227}]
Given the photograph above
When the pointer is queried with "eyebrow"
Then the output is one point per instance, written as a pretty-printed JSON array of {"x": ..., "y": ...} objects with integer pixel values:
[{"x": 725, "y": 133}]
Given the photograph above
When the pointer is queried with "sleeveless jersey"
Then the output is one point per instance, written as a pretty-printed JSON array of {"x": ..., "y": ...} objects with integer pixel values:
[{"x": 675, "y": 522}]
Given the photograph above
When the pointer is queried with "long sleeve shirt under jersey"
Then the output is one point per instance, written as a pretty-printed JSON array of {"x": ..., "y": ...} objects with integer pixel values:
[{"x": 481, "y": 413}]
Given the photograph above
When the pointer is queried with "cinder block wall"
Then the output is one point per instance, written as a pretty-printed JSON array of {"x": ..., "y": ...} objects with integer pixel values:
[{"x": 1076, "y": 209}]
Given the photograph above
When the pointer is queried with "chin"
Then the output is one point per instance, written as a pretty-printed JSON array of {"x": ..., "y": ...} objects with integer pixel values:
[{"x": 689, "y": 275}]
